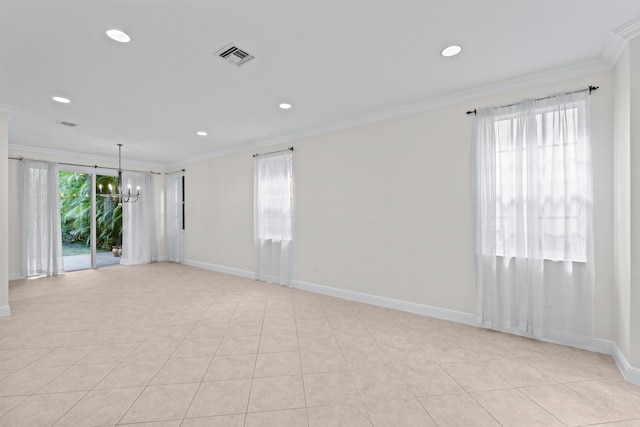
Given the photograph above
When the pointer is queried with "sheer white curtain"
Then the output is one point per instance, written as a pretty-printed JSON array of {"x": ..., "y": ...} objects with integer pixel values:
[
  {"x": 273, "y": 200},
  {"x": 533, "y": 219},
  {"x": 40, "y": 219},
  {"x": 175, "y": 231},
  {"x": 139, "y": 243}
]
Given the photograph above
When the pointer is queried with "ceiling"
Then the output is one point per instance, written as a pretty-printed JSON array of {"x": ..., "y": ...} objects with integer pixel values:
[{"x": 336, "y": 61}]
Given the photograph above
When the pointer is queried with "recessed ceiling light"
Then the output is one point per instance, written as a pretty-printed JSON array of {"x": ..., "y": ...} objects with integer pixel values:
[
  {"x": 118, "y": 35},
  {"x": 285, "y": 106},
  {"x": 61, "y": 99},
  {"x": 202, "y": 133},
  {"x": 452, "y": 50}
]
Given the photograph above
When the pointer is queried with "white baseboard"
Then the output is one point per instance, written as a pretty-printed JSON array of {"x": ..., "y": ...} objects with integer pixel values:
[
  {"x": 425, "y": 310},
  {"x": 16, "y": 276},
  {"x": 220, "y": 268},
  {"x": 630, "y": 373},
  {"x": 5, "y": 311},
  {"x": 163, "y": 258}
]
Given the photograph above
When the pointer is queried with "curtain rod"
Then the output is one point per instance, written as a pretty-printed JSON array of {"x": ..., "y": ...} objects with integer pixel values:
[
  {"x": 590, "y": 89},
  {"x": 88, "y": 166},
  {"x": 179, "y": 170},
  {"x": 273, "y": 152}
]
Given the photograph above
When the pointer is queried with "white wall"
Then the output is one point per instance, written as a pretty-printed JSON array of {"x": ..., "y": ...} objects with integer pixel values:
[
  {"x": 4, "y": 215},
  {"x": 14, "y": 197},
  {"x": 385, "y": 208},
  {"x": 634, "y": 74},
  {"x": 622, "y": 197}
]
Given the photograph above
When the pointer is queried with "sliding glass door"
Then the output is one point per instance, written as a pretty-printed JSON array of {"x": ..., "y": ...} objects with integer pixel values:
[{"x": 91, "y": 225}]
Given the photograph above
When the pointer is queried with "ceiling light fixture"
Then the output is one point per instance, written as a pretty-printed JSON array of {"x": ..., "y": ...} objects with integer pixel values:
[
  {"x": 452, "y": 50},
  {"x": 202, "y": 133},
  {"x": 285, "y": 106},
  {"x": 118, "y": 35},
  {"x": 115, "y": 194},
  {"x": 61, "y": 99}
]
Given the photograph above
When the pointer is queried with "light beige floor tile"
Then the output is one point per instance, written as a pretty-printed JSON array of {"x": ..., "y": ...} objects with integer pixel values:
[
  {"x": 279, "y": 326},
  {"x": 518, "y": 372},
  {"x": 313, "y": 326},
  {"x": 381, "y": 385},
  {"x": 366, "y": 360},
  {"x": 354, "y": 415},
  {"x": 5, "y": 373},
  {"x": 560, "y": 369},
  {"x": 278, "y": 343},
  {"x": 232, "y": 345},
  {"x": 17, "y": 359},
  {"x": 513, "y": 409},
  {"x": 131, "y": 374},
  {"x": 132, "y": 335},
  {"x": 161, "y": 402},
  {"x": 28, "y": 380},
  {"x": 149, "y": 317},
  {"x": 108, "y": 353},
  {"x": 443, "y": 352},
  {"x": 618, "y": 397},
  {"x": 220, "y": 398},
  {"x": 101, "y": 407},
  {"x": 277, "y": 364},
  {"x": 407, "y": 356},
  {"x": 326, "y": 361},
  {"x": 634, "y": 423},
  {"x": 177, "y": 371},
  {"x": 170, "y": 333},
  {"x": 90, "y": 338},
  {"x": 458, "y": 410},
  {"x": 219, "y": 421},
  {"x": 171, "y": 423},
  {"x": 78, "y": 378},
  {"x": 430, "y": 380},
  {"x": 8, "y": 403},
  {"x": 568, "y": 406},
  {"x": 196, "y": 348},
  {"x": 284, "y": 418},
  {"x": 40, "y": 410},
  {"x": 231, "y": 367},
  {"x": 244, "y": 329},
  {"x": 64, "y": 356},
  {"x": 154, "y": 350},
  {"x": 275, "y": 393},
  {"x": 392, "y": 413},
  {"x": 328, "y": 389},
  {"x": 474, "y": 376}
]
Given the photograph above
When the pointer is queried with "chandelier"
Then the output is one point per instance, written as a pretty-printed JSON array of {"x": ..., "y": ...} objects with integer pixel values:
[{"x": 116, "y": 195}]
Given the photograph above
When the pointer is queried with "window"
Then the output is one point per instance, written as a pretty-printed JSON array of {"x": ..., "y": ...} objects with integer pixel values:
[{"x": 541, "y": 183}]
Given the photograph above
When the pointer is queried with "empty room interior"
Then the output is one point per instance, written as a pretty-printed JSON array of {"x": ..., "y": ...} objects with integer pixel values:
[{"x": 336, "y": 213}]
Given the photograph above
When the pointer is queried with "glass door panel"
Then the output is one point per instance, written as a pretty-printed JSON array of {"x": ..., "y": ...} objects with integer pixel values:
[
  {"x": 108, "y": 224},
  {"x": 75, "y": 220}
]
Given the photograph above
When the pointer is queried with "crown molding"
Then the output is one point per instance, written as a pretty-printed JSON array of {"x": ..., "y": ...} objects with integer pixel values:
[
  {"x": 80, "y": 156},
  {"x": 629, "y": 30},
  {"x": 618, "y": 40},
  {"x": 506, "y": 86},
  {"x": 8, "y": 108}
]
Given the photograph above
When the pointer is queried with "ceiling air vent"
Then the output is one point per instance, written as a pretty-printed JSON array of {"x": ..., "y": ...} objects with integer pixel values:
[
  {"x": 235, "y": 55},
  {"x": 63, "y": 123}
]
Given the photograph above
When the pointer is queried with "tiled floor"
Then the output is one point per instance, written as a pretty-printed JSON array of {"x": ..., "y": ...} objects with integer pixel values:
[{"x": 166, "y": 345}]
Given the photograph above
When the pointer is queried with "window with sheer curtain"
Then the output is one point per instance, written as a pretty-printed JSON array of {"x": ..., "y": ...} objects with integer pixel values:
[
  {"x": 273, "y": 199},
  {"x": 533, "y": 218},
  {"x": 175, "y": 216},
  {"x": 556, "y": 198},
  {"x": 40, "y": 218}
]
